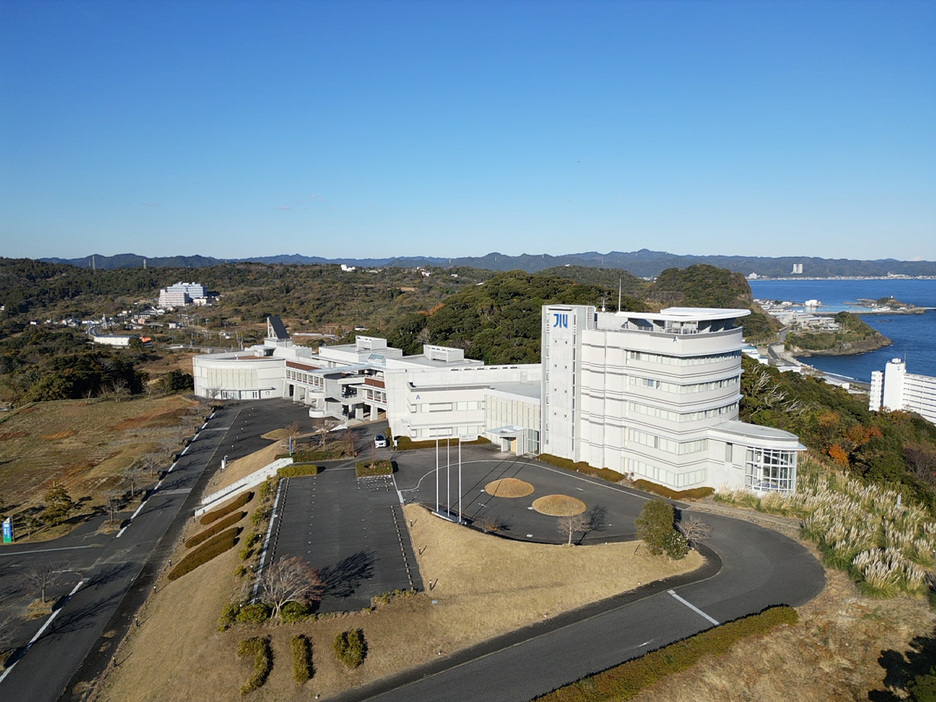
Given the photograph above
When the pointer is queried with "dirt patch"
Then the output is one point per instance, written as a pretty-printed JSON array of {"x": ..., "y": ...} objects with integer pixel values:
[
  {"x": 10, "y": 435},
  {"x": 59, "y": 435},
  {"x": 155, "y": 418},
  {"x": 559, "y": 506},
  {"x": 508, "y": 487}
]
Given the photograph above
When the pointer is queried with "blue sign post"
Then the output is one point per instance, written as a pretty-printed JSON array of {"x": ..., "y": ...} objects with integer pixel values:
[{"x": 8, "y": 530}]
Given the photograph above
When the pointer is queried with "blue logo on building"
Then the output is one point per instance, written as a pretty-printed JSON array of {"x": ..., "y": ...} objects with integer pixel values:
[{"x": 562, "y": 320}]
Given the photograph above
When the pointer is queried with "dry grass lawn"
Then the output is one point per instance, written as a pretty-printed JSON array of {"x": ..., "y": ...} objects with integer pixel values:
[
  {"x": 242, "y": 467},
  {"x": 508, "y": 487},
  {"x": 559, "y": 506},
  {"x": 484, "y": 586},
  {"x": 83, "y": 446}
]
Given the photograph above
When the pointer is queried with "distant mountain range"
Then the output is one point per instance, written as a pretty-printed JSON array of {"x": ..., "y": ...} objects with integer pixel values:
[{"x": 643, "y": 263}]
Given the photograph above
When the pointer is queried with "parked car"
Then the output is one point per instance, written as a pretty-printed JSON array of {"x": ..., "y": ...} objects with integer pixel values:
[{"x": 380, "y": 441}]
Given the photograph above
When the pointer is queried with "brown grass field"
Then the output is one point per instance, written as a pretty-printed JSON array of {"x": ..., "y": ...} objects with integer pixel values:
[
  {"x": 559, "y": 506},
  {"x": 83, "y": 446},
  {"x": 484, "y": 586},
  {"x": 508, "y": 487}
]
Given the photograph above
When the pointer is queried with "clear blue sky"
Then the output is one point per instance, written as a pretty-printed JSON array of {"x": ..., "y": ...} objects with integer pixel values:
[{"x": 353, "y": 129}]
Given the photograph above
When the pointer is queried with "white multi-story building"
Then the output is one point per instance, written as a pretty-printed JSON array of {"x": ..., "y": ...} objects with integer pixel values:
[
  {"x": 650, "y": 395},
  {"x": 896, "y": 389},
  {"x": 182, "y": 294},
  {"x": 656, "y": 396}
]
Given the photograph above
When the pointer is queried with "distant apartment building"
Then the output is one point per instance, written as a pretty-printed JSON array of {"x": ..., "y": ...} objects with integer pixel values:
[
  {"x": 896, "y": 389},
  {"x": 654, "y": 396},
  {"x": 182, "y": 294}
]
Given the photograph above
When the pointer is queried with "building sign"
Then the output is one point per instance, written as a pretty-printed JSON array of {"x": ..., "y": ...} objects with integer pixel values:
[
  {"x": 8, "y": 530},
  {"x": 561, "y": 319}
]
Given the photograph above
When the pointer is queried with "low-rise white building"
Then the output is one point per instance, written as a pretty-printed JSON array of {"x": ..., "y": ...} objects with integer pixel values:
[
  {"x": 649, "y": 395},
  {"x": 896, "y": 389}
]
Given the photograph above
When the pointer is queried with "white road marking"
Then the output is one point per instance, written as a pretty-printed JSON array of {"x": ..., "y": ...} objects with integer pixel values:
[{"x": 693, "y": 607}]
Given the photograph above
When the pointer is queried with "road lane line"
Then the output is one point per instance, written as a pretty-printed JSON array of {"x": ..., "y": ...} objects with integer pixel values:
[
  {"x": 41, "y": 630},
  {"x": 44, "y": 550},
  {"x": 693, "y": 607}
]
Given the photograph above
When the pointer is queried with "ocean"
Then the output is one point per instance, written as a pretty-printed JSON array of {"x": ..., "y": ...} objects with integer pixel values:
[{"x": 913, "y": 335}]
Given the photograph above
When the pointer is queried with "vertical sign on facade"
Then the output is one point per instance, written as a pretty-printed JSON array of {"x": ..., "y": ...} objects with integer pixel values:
[{"x": 8, "y": 530}]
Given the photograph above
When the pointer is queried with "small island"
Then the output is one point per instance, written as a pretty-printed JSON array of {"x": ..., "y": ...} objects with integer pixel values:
[
  {"x": 850, "y": 335},
  {"x": 888, "y": 305}
]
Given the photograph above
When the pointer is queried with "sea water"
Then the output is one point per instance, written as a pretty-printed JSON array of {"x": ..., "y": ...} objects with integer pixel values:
[{"x": 913, "y": 335}]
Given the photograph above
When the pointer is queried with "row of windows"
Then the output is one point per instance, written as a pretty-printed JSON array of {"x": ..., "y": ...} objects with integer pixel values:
[
  {"x": 446, "y": 406},
  {"x": 683, "y": 389},
  {"x": 442, "y": 432},
  {"x": 659, "y": 412},
  {"x": 679, "y": 448},
  {"x": 680, "y": 361},
  {"x": 306, "y": 378},
  {"x": 375, "y": 395}
]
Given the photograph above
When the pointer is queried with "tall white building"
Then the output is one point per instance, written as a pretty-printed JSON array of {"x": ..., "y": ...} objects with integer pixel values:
[
  {"x": 656, "y": 396},
  {"x": 896, "y": 389}
]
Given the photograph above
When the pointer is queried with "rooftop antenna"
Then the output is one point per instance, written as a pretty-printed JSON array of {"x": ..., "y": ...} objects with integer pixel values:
[
  {"x": 602, "y": 303},
  {"x": 620, "y": 285}
]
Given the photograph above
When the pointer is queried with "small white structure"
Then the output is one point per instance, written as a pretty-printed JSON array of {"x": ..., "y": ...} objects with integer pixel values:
[{"x": 896, "y": 389}]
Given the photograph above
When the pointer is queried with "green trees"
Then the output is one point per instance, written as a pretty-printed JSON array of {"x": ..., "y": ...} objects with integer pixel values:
[
  {"x": 655, "y": 526},
  {"x": 58, "y": 504}
]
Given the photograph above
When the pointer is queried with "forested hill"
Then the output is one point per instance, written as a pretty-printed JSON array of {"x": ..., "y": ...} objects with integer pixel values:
[{"x": 643, "y": 263}]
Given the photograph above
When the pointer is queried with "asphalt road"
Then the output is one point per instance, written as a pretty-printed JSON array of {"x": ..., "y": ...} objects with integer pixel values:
[{"x": 106, "y": 577}]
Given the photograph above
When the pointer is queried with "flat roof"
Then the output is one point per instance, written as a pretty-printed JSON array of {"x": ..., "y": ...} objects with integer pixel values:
[{"x": 688, "y": 313}]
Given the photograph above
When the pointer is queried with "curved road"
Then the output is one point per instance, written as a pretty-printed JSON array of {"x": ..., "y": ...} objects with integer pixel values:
[{"x": 752, "y": 568}]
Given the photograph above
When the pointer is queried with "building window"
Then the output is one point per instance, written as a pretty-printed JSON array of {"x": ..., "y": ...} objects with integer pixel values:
[{"x": 770, "y": 470}]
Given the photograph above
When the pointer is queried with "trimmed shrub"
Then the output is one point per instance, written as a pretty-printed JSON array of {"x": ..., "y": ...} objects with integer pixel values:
[
  {"x": 655, "y": 524},
  {"x": 676, "y": 545},
  {"x": 259, "y": 648},
  {"x": 215, "y": 546},
  {"x": 301, "y": 658},
  {"x": 295, "y": 612},
  {"x": 386, "y": 597},
  {"x": 260, "y": 515},
  {"x": 350, "y": 647},
  {"x": 255, "y": 613},
  {"x": 215, "y": 528},
  {"x": 297, "y": 470},
  {"x": 625, "y": 681},
  {"x": 247, "y": 550},
  {"x": 311, "y": 455},
  {"x": 228, "y": 616},
  {"x": 217, "y": 514},
  {"x": 367, "y": 469},
  {"x": 404, "y": 443}
]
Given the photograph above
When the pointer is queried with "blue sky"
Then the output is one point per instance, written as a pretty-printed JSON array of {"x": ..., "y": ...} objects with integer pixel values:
[{"x": 358, "y": 129}]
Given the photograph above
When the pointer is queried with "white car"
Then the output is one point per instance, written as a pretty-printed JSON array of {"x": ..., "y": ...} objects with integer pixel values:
[{"x": 380, "y": 441}]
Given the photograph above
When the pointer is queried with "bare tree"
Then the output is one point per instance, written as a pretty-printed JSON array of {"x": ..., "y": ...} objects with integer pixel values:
[
  {"x": 41, "y": 577},
  {"x": 151, "y": 463},
  {"x": 323, "y": 429},
  {"x": 114, "y": 502},
  {"x": 212, "y": 392},
  {"x": 133, "y": 475},
  {"x": 290, "y": 580},
  {"x": 7, "y": 633},
  {"x": 695, "y": 530},
  {"x": 570, "y": 524}
]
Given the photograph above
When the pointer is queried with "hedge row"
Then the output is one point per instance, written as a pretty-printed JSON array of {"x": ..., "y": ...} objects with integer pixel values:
[
  {"x": 366, "y": 469},
  {"x": 350, "y": 647},
  {"x": 611, "y": 476},
  {"x": 301, "y": 658},
  {"x": 298, "y": 469},
  {"x": 311, "y": 455},
  {"x": 215, "y": 528},
  {"x": 215, "y": 546},
  {"x": 625, "y": 681},
  {"x": 216, "y": 514},
  {"x": 259, "y": 648},
  {"x": 693, "y": 494},
  {"x": 404, "y": 443}
]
